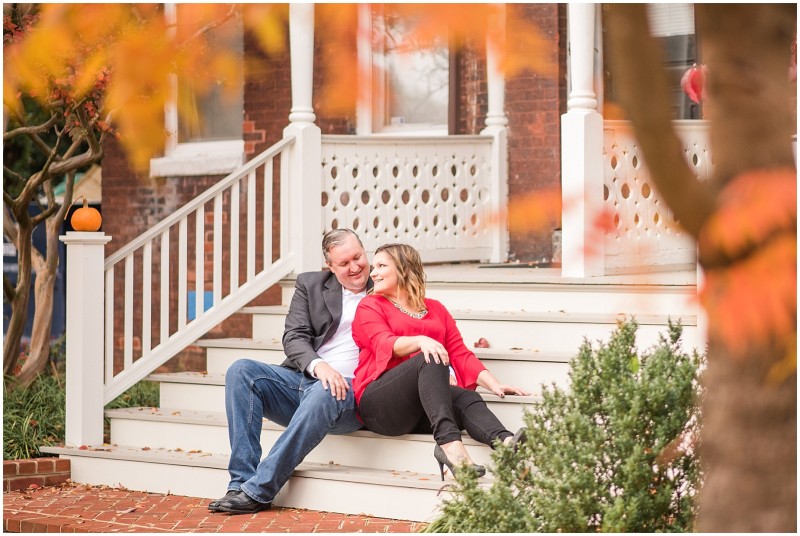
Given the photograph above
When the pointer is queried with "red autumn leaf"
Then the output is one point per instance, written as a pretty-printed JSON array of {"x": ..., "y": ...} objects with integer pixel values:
[{"x": 482, "y": 343}]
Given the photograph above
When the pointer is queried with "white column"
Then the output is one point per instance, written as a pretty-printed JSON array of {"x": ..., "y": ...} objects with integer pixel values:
[
  {"x": 301, "y": 49},
  {"x": 581, "y": 153},
  {"x": 304, "y": 201},
  {"x": 497, "y": 127},
  {"x": 85, "y": 337}
]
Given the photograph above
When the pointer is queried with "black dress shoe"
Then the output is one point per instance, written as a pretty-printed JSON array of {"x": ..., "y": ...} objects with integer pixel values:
[
  {"x": 239, "y": 503},
  {"x": 213, "y": 504}
]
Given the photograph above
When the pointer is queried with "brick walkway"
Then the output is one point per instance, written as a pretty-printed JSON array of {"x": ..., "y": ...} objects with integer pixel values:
[{"x": 78, "y": 508}]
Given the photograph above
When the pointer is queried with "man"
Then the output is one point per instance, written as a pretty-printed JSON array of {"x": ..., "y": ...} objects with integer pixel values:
[{"x": 310, "y": 393}]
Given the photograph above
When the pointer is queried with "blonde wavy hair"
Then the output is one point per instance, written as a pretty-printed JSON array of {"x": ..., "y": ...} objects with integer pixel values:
[{"x": 410, "y": 275}]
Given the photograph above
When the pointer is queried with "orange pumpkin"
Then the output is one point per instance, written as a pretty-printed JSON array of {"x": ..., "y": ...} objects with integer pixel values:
[{"x": 86, "y": 218}]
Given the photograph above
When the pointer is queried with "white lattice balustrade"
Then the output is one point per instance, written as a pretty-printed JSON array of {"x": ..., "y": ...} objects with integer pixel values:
[
  {"x": 432, "y": 193},
  {"x": 644, "y": 230}
]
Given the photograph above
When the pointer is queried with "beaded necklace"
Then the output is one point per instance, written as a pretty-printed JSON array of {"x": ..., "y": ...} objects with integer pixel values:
[{"x": 412, "y": 315}]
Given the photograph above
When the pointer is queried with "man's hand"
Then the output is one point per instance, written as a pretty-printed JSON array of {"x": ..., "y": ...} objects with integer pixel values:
[{"x": 331, "y": 380}]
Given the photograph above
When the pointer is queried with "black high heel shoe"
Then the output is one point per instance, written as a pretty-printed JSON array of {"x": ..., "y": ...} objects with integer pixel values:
[{"x": 443, "y": 460}]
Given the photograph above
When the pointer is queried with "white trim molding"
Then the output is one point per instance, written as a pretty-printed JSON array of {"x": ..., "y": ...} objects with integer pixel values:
[{"x": 202, "y": 158}]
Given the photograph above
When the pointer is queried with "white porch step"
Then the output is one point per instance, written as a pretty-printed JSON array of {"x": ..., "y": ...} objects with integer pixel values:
[
  {"x": 558, "y": 332},
  {"x": 526, "y": 369},
  {"x": 520, "y": 288},
  {"x": 187, "y": 430},
  {"x": 331, "y": 488},
  {"x": 206, "y": 392},
  {"x": 222, "y": 353}
]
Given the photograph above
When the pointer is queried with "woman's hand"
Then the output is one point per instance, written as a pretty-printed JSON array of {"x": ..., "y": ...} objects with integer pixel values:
[
  {"x": 433, "y": 349},
  {"x": 502, "y": 390},
  {"x": 487, "y": 380}
]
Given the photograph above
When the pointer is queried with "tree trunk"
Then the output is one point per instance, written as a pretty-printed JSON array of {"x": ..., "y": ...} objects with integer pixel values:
[
  {"x": 749, "y": 435},
  {"x": 21, "y": 239},
  {"x": 749, "y": 439},
  {"x": 46, "y": 269}
]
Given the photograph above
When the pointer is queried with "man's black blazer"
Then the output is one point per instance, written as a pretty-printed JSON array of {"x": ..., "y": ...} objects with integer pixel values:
[{"x": 313, "y": 317}]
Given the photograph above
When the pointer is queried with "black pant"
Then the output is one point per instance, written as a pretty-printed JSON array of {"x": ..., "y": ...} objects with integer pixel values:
[{"x": 416, "y": 397}]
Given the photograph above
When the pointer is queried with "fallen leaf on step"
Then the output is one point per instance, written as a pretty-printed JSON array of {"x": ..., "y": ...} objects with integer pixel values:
[
  {"x": 424, "y": 478},
  {"x": 516, "y": 348},
  {"x": 145, "y": 448},
  {"x": 83, "y": 447},
  {"x": 176, "y": 413},
  {"x": 178, "y": 449},
  {"x": 482, "y": 343},
  {"x": 194, "y": 452}
]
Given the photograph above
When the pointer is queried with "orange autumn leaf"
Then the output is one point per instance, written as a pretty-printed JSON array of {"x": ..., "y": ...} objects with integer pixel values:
[
  {"x": 536, "y": 210},
  {"x": 751, "y": 207},
  {"x": 754, "y": 301}
]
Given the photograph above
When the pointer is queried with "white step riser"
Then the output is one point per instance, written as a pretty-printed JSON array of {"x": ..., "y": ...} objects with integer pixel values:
[
  {"x": 529, "y": 375},
  {"x": 389, "y": 454},
  {"x": 535, "y": 336},
  {"x": 564, "y": 337},
  {"x": 218, "y": 360},
  {"x": 578, "y": 300},
  {"x": 151, "y": 477},
  {"x": 677, "y": 300},
  {"x": 309, "y": 493},
  {"x": 212, "y": 398},
  {"x": 267, "y": 327}
]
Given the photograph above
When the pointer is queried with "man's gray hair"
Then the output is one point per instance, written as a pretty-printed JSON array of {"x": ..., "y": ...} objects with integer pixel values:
[{"x": 335, "y": 238}]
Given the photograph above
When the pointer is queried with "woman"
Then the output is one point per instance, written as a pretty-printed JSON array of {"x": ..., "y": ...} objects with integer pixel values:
[{"x": 408, "y": 347}]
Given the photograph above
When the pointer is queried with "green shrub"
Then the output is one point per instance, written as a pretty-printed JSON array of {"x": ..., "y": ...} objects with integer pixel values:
[
  {"x": 34, "y": 416},
  {"x": 613, "y": 454}
]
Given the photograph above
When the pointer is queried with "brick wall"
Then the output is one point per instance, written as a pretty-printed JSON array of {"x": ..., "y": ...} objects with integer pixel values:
[
  {"x": 21, "y": 474},
  {"x": 472, "y": 92},
  {"x": 534, "y": 105}
]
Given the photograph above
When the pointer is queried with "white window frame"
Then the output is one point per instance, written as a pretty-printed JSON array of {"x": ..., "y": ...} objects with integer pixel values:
[
  {"x": 370, "y": 108},
  {"x": 196, "y": 158}
]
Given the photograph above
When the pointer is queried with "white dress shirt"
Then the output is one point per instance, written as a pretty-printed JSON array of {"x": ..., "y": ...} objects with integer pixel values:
[{"x": 340, "y": 351}]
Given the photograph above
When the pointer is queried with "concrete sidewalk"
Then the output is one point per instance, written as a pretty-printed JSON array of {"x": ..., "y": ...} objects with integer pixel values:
[{"x": 78, "y": 508}]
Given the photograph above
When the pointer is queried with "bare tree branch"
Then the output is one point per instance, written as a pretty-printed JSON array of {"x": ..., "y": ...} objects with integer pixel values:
[
  {"x": 8, "y": 289},
  {"x": 210, "y": 26},
  {"x": 67, "y": 201},
  {"x": 10, "y": 227},
  {"x": 638, "y": 60},
  {"x": 29, "y": 130},
  {"x": 14, "y": 174}
]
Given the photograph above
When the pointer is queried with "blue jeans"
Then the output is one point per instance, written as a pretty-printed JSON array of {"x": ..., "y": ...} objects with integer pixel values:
[{"x": 254, "y": 390}]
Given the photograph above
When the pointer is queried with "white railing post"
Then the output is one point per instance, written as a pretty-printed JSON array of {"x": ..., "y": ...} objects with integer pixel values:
[
  {"x": 305, "y": 157},
  {"x": 497, "y": 127},
  {"x": 85, "y": 337},
  {"x": 581, "y": 153}
]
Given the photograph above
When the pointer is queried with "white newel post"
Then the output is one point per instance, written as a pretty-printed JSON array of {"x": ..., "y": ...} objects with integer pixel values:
[
  {"x": 581, "y": 153},
  {"x": 497, "y": 127},
  {"x": 305, "y": 183},
  {"x": 85, "y": 337}
]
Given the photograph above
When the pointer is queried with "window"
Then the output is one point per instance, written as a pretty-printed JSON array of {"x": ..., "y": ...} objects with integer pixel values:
[
  {"x": 206, "y": 139},
  {"x": 410, "y": 83},
  {"x": 673, "y": 24}
]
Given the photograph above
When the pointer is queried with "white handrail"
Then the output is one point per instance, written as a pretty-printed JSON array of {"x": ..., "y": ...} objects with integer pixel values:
[
  {"x": 147, "y": 258},
  {"x": 200, "y": 200}
]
